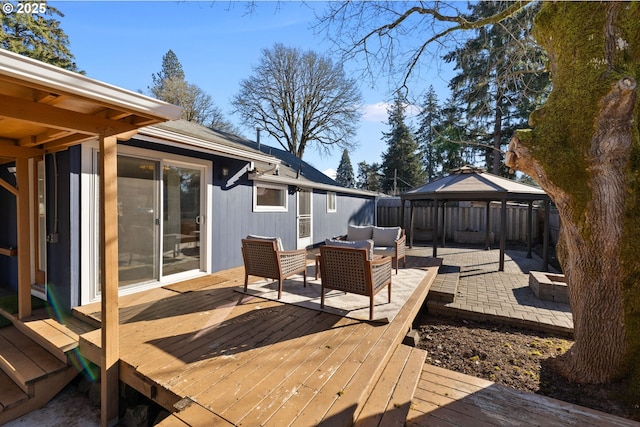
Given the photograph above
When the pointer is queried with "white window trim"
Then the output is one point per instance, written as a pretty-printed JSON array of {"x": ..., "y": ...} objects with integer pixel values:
[
  {"x": 331, "y": 195},
  {"x": 260, "y": 208}
]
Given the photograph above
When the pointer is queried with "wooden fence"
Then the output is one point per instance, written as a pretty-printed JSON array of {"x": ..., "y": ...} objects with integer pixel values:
[{"x": 469, "y": 216}]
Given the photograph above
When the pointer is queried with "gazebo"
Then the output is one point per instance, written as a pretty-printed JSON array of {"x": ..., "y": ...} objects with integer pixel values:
[{"x": 469, "y": 183}]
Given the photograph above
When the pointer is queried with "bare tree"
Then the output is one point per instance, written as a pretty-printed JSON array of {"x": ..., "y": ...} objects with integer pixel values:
[
  {"x": 583, "y": 149},
  {"x": 300, "y": 98}
]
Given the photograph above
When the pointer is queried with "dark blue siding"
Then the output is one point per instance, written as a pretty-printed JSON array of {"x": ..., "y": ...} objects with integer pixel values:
[
  {"x": 351, "y": 209},
  {"x": 8, "y": 235}
]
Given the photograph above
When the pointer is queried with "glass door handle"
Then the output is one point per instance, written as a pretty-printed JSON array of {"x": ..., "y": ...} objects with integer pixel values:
[{"x": 198, "y": 219}]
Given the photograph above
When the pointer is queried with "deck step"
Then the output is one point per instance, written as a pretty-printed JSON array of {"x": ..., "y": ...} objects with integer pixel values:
[
  {"x": 390, "y": 400},
  {"x": 57, "y": 337},
  {"x": 445, "y": 287},
  {"x": 30, "y": 376},
  {"x": 24, "y": 360},
  {"x": 10, "y": 394}
]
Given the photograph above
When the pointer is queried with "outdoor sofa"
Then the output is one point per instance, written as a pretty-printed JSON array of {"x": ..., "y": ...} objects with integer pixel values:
[{"x": 387, "y": 241}]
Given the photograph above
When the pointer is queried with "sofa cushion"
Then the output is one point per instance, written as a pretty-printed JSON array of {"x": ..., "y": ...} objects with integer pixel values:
[
  {"x": 359, "y": 232},
  {"x": 384, "y": 250},
  {"x": 358, "y": 244},
  {"x": 278, "y": 240},
  {"x": 386, "y": 236}
]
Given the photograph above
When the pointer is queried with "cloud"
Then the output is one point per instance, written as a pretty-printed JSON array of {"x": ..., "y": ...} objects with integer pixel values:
[{"x": 378, "y": 112}]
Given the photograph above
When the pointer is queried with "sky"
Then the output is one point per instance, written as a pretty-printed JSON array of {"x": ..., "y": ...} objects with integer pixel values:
[{"x": 218, "y": 44}]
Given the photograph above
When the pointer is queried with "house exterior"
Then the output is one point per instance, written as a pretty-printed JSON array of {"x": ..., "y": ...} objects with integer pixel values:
[
  {"x": 186, "y": 197},
  {"x": 103, "y": 192}
]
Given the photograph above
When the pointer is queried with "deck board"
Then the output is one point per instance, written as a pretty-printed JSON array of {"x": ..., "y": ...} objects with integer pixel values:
[
  {"x": 447, "y": 398},
  {"x": 250, "y": 360}
]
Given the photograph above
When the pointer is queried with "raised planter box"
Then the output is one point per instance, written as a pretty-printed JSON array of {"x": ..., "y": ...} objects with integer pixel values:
[
  {"x": 422, "y": 233},
  {"x": 472, "y": 237},
  {"x": 549, "y": 286}
]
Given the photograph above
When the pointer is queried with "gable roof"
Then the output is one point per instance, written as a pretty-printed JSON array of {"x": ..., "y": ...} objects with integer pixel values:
[
  {"x": 469, "y": 183},
  {"x": 269, "y": 164}
]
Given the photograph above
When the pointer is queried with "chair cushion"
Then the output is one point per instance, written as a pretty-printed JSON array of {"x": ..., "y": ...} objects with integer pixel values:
[
  {"x": 358, "y": 244},
  {"x": 278, "y": 240},
  {"x": 384, "y": 250},
  {"x": 359, "y": 232},
  {"x": 386, "y": 236}
]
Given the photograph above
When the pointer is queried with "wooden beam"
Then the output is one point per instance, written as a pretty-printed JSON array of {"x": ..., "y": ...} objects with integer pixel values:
[
  {"x": 110, "y": 352},
  {"x": 10, "y": 188},
  {"x": 24, "y": 238},
  {"x": 67, "y": 141},
  {"x": 58, "y": 118},
  {"x": 9, "y": 148},
  {"x": 47, "y": 136}
]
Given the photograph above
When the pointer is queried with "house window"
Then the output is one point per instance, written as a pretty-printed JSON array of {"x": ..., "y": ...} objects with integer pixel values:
[
  {"x": 331, "y": 202},
  {"x": 269, "y": 198}
]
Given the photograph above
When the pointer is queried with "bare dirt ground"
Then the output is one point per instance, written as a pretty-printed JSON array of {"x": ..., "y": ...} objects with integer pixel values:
[{"x": 514, "y": 357}]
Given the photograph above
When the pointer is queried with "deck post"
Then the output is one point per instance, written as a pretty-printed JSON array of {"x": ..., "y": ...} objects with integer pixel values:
[
  {"x": 110, "y": 351},
  {"x": 24, "y": 237}
]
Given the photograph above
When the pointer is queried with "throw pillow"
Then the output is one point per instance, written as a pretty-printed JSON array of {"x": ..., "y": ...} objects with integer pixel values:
[
  {"x": 359, "y": 244},
  {"x": 386, "y": 236},
  {"x": 359, "y": 232}
]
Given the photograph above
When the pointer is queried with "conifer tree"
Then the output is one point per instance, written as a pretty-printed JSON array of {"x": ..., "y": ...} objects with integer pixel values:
[
  {"x": 38, "y": 36},
  {"x": 344, "y": 174},
  {"x": 401, "y": 164}
]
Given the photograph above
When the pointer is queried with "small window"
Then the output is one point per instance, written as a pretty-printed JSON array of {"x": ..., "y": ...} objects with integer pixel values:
[
  {"x": 269, "y": 198},
  {"x": 331, "y": 202}
]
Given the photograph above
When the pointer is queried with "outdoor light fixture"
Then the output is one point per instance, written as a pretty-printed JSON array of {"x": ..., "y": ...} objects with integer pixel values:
[{"x": 224, "y": 172}]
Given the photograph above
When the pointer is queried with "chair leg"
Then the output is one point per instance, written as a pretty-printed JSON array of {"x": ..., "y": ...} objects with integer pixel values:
[
  {"x": 246, "y": 281},
  {"x": 279, "y": 288},
  {"x": 321, "y": 296},
  {"x": 305, "y": 277},
  {"x": 389, "y": 285},
  {"x": 371, "y": 307}
]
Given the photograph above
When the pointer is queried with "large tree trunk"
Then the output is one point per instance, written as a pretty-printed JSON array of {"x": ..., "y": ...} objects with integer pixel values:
[{"x": 584, "y": 151}]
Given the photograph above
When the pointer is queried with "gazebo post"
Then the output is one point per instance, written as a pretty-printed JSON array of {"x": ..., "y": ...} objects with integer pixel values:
[
  {"x": 529, "y": 227},
  {"x": 503, "y": 232},
  {"x": 487, "y": 226},
  {"x": 410, "y": 223},
  {"x": 435, "y": 236},
  {"x": 545, "y": 241},
  {"x": 444, "y": 223}
]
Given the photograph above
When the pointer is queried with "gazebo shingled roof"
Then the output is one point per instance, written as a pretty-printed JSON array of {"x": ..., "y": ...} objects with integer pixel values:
[{"x": 469, "y": 183}]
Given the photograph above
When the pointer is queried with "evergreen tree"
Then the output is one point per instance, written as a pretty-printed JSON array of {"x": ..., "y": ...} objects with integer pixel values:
[
  {"x": 344, "y": 174},
  {"x": 401, "y": 164},
  {"x": 499, "y": 80},
  {"x": 171, "y": 73},
  {"x": 170, "y": 85},
  {"x": 369, "y": 176},
  {"x": 429, "y": 120},
  {"x": 38, "y": 36}
]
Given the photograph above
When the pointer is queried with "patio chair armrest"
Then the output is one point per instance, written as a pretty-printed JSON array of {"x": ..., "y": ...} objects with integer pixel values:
[
  {"x": 381, "y": 271},
  {"x": 292, "y": 260},
  {"x": 401, "y": 245}
]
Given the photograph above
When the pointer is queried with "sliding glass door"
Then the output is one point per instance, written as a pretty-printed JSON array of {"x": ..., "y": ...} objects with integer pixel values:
[
  {"x": 138, "y": 220},
  {"x": 163, "y": 201},
  {"x": 182, "y": 216}
]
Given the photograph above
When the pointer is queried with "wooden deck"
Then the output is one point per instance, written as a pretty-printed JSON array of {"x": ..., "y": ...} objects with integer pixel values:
[
  {"x": 229, "y": 359},
  {"x": 450, "y": 399}
]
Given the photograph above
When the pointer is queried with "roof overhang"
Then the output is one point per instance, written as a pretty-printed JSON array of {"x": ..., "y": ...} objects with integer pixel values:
[
  {"x": 177, "y": 139},
  {"x": 44, "y": 108},
  {"x": 305, "y": 183}
]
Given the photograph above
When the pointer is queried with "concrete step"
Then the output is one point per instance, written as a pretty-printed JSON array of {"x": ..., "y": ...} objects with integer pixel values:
[{"x": 445, "y": 287}]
